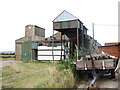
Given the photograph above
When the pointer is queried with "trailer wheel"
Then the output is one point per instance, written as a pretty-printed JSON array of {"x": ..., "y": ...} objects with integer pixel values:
[
  {"x": 90, "y": 75},
  {"x": 112, "y": 73}
]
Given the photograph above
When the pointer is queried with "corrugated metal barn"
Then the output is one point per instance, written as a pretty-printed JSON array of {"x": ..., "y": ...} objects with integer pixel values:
[
  {"x": 26, "y": 47},
  {"x": 72, "y": 36},
  {"x": 75, "y": 30}
]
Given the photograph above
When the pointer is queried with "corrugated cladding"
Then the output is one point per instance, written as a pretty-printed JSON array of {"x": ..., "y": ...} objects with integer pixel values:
[
  {"x": 66, "y": 20},
  {"x": 28, "y": 50},
  {"x": 68, "y": 24},
  {"x": 26, "y": 53}
]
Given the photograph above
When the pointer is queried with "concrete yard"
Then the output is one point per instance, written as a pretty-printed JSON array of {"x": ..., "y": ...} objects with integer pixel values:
[{"x": 103, "y": 82}]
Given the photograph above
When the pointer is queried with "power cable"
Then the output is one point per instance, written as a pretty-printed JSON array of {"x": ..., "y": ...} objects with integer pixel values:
[{"x": 106, "y": 25}]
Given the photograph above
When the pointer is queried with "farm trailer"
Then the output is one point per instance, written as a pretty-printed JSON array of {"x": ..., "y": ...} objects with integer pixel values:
[{"x": 97, "y": 65}]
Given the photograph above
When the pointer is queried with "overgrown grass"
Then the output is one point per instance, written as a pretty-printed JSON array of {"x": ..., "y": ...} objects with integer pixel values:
[
  {"x": 68, "y": 64},
  {"x": 38, "y": 75}
]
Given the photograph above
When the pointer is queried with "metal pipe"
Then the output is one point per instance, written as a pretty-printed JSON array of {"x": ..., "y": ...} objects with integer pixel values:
[{"x": 93, "y": 30}]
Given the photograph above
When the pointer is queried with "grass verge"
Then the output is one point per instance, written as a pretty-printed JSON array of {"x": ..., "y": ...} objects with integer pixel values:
[{"x": 37, "y": 75}]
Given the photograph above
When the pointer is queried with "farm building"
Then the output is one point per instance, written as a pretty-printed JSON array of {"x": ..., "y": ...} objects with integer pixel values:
[
  {"x": 71, "y": 37},
  {"x": 27, "y": 46},
  {"x": 75, "y": 30}
]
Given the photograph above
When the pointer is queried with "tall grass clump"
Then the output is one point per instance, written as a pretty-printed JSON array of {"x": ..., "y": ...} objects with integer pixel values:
[{"x": 68, "y": 64}]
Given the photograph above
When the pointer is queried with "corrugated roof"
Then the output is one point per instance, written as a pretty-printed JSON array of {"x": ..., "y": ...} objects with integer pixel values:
[{"x": 64, "y": 16}]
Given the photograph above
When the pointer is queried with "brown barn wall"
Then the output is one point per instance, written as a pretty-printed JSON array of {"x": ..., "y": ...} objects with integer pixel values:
[
  {"x": 18, "y": 51},
  {"x": 112, "y": 50}
]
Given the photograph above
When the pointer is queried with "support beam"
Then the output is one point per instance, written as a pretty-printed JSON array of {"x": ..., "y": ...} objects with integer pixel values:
[
  {"x": 64, "y": 46},
  {"x": 53, "y": 45},
  {"x": 61, "y": 45},
  {"x": 77, "y": 41}
]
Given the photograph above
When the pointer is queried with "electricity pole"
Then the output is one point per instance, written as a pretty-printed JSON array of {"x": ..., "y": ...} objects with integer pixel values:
[
  {"x": 93, "y": 37},
  {"x": 93, "y": 30}
]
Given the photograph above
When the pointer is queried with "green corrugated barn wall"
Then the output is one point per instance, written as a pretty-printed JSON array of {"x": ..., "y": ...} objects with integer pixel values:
[
  {"x": 34, "y": 51},
  {"x": 29, "y": 51},
  {"x": 67, "y": 24}
]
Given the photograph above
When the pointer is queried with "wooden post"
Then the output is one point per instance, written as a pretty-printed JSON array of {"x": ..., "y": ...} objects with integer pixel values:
[
  {"x": 61, "y": 45},
  {"x": 53, "y": 45},
  {"x": 83, "y": 42},
  {"x": 64, "y": 46},
  {"x": 71, "y": 48},
  {"x": 93, "y": 38}
]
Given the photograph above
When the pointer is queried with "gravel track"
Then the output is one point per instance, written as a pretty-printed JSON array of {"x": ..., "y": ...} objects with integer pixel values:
[{"x": 8, "y": 63}]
